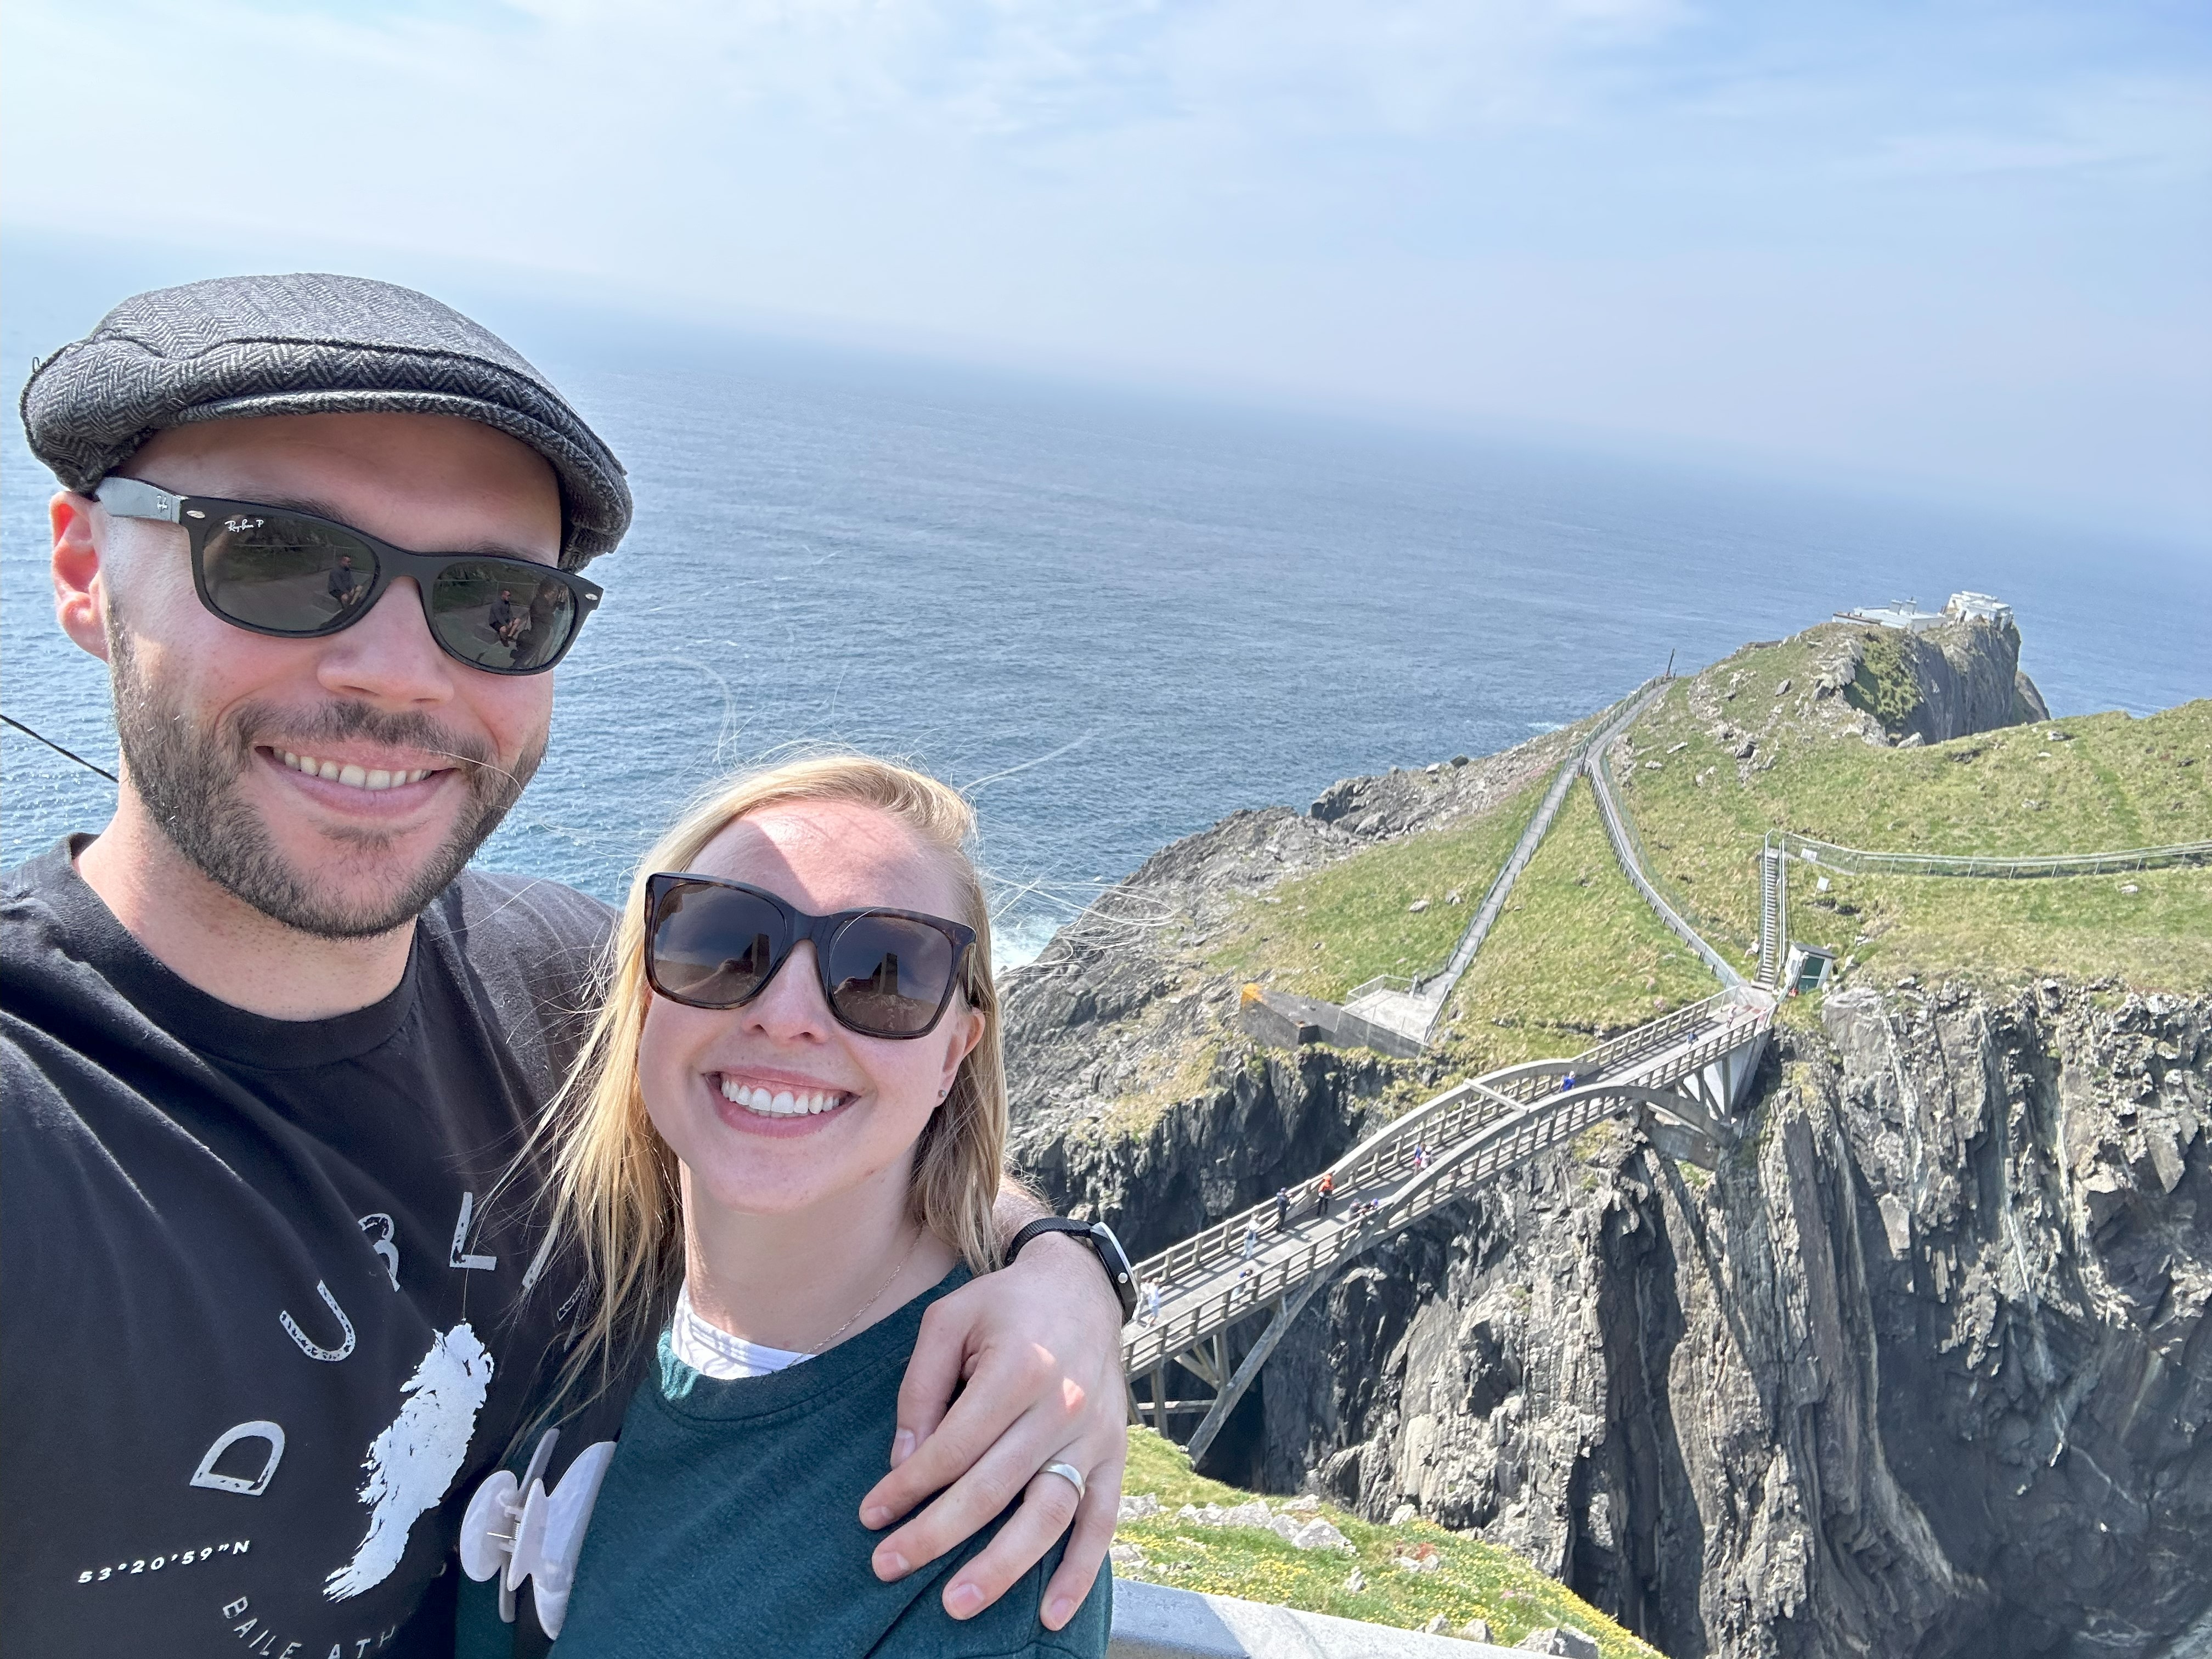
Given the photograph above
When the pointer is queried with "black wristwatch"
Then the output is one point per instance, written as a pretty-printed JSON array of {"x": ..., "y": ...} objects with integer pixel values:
[{"x": 1100, "y": 1237}]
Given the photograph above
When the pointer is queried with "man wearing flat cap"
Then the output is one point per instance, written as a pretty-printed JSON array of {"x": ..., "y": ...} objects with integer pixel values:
[{"x": 267, "y": 1045}]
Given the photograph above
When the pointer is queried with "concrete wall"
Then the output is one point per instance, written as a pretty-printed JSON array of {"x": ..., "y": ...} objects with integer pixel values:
[
  {"x": 1152, "y": 1621},
  {"x": 1285, "y": 1020}
]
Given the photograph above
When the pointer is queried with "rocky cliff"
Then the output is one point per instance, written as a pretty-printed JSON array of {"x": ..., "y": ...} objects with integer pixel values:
[
  {"x": 1955, "y": 680},
  {"x": 1920, "y": 1369},
  {"x": 1133, "y": 1097}
]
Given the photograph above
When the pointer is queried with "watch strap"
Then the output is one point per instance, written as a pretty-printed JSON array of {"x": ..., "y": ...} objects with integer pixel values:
[{"x": 1111, "y": 1256}]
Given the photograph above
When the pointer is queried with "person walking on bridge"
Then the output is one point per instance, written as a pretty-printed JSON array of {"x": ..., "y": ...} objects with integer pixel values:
[
  {"x": 1324, "y": 1190},
  {"x": 1282, "y": 1208},
  {"x": 1251, "y": 1239}
]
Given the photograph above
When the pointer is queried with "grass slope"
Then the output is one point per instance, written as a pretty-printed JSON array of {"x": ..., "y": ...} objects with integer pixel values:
[
  {"x": 2110, "y": 782},
  {"x": 1577, "y": 954},
  {"x": 1473, "y": 1580},
  {"x": 2152, "y": 930},
  {"x": 1321, "y": 934}
]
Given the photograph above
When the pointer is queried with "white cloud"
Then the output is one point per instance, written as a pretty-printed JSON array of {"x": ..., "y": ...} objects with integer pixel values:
[{"x": 1777, "y": 228}]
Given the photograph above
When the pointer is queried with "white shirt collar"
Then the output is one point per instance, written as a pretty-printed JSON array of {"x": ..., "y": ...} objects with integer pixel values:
[{"x": 713, "y": 1351}]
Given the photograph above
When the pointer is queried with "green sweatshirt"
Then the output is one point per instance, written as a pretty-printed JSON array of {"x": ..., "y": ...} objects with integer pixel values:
[{"x": 729, "y": 1524}]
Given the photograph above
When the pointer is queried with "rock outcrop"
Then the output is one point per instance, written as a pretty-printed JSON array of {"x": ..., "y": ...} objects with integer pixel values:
[
  {"x": 1950, "y": 682},
  {"x": 1121, "y": 1052},
  {"x": 1922, "y": 1370},
  {"x": 1269, "y": 1119}
]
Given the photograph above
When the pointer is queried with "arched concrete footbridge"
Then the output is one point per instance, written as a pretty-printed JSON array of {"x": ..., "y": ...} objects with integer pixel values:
[{"x": 1681, "y": 1077}]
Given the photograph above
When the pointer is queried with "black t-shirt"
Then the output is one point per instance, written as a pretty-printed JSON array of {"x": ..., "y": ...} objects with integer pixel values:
[{"x": 259, "y": 1338}]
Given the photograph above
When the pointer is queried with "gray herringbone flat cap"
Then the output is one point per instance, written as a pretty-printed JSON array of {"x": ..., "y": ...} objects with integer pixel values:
[{"x": 308, "y": 344}]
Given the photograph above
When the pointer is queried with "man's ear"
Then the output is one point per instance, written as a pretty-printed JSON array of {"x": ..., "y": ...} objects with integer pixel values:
[{"x": 80, "y": 579}]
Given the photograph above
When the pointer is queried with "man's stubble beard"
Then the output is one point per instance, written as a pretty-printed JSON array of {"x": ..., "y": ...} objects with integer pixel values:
[{"x": 188, "y": 777}]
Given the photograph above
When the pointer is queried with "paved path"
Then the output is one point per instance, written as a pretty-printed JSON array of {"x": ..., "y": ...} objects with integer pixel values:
[
  {"x": 1411, "y": 1007},
  {"x": 1626, "y": 847},
  {"x": 1773, "y": 912}
]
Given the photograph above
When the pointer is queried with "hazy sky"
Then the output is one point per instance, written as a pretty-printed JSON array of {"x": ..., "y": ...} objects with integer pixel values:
[{"x": 1964, "y": 246}]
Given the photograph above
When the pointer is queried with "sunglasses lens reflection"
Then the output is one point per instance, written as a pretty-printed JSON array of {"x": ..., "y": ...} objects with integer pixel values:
[
  {"x": 284, "y": 575},
  {"x": 502, "y": 615},
  {"x": 713, "y": 946},
  {"x": 716, "y": 947},
  {"x": 888, "y": 975}
]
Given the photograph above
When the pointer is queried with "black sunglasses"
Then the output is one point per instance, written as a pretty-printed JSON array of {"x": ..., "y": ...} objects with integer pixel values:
[
  {"x": 715, "y": 944},
  {"x": 273, "y": 570}
]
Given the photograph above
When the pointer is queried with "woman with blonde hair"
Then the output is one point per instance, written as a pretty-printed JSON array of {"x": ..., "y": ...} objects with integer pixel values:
[{"x": 784, "y": 1143}]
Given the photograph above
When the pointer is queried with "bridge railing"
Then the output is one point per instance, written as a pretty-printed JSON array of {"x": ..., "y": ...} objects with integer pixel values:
[
  {"x": 1441, "y": 1124},
  {"x": 1180, "y": 1331},
  {"x": 1538, "y": 1130},
  {"x": 1662, "y": 1033},
  {"x": 1224, "y": 1240},
  {"x": 1723, "y": 1040},
  {"x": 1433, "y": 1124},
  {"x": 1505, "y": 1140}
]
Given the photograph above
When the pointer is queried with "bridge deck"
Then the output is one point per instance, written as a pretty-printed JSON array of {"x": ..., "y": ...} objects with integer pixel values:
[{"x": 1435, "y": 1153}]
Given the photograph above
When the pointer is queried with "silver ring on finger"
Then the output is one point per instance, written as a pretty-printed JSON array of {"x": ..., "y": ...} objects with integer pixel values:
[{"x": 1068, "y": 1472}]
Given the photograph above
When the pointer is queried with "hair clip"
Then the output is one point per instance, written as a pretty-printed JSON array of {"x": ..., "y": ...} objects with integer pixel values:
[{"x": 543, "y": 1530}]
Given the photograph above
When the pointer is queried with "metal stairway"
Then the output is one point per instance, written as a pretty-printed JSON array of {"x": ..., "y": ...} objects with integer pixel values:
[{"x": 1773, "y": 911}]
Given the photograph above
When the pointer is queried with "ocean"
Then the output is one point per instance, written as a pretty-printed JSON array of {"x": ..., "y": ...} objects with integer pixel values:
[{"x": 1116, "y": 618}]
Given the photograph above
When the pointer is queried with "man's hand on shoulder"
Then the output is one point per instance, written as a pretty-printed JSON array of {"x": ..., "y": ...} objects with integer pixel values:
[{"x": 1038, "y": 1347}]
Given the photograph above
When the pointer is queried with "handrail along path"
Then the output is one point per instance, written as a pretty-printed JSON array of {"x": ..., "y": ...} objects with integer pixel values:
[
  {"x": 1627, "y": 849},
  {"x": 1856, "y": 860},
  {"x": 1413, "y": 1005}
]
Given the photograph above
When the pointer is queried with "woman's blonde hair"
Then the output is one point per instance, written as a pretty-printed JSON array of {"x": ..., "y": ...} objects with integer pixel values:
[{"x": 612, "y": 1183}]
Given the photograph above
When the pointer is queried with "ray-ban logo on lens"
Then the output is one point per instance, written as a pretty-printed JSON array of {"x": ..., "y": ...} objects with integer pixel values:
[{"x": 240, "y": 524}]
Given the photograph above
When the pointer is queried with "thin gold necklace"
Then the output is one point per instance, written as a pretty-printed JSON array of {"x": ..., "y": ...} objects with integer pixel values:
[{"x": 830, "y": 1340}]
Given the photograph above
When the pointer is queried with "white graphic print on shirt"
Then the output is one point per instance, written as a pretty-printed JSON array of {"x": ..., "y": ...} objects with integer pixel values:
[
  {"x": 307, "y": 1345},
  {"x": 412, "y": 1463},
  {"x": 379, "y": 1227}
]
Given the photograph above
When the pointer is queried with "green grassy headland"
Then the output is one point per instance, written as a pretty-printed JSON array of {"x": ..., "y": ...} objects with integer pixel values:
[
  {"x": 1472, "y": 1579},
  {"x": 1320, "y": 934},
  {"x": 1576, "y": 956},
  {"x": 2110, "y": 782}
]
